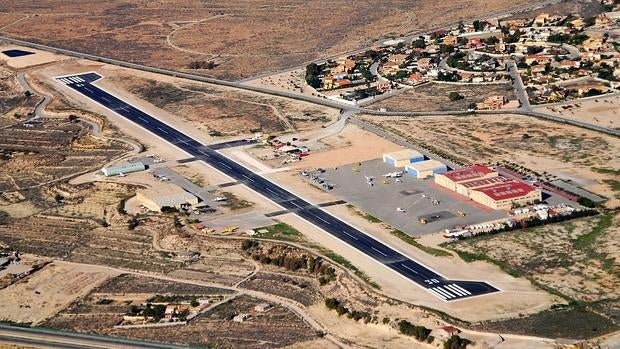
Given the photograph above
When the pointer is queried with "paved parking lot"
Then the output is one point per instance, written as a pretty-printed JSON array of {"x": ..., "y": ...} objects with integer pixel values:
[{"x": 413, "y": 195}]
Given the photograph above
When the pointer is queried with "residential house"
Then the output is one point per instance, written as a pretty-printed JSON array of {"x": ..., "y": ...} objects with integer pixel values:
[
  {"x": 578, "y": 23},
  {"x": 492, "y": 103},
  {"x": 451, "y": 40},
  {"x": 416, "y": 78},
  {"x": 390, "y": 68},
  {"x": 398, "y": 58},
  {"x": 593, "y": 44},
  {"x": 539, "y": 59},
  {"x": 343, "y": 83},
  {"x": 424, "y": 64},
  {"x": 475, "y": 43},
  {"x": 445, "y": 332},
  {"x": 541, "y": 19}
]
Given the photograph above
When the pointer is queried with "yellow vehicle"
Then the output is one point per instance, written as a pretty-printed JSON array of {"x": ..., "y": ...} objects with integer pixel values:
[
  {"x": 385, "y": 181},
  {"x": 230, "y": 229},
  {"x": 356, "y": 169},
  {"x": 422, "y": 221},
  {"x": 461, "y": 213}
]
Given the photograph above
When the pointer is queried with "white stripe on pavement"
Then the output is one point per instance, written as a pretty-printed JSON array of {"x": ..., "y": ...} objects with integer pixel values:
[
  {"x": 444, "y": 292},
  {"x": 455, "y": 290},
  {"x": 462, "y": 289},
  {"x": 437, "y": 294},
  {"x": 384, "y": 255}
]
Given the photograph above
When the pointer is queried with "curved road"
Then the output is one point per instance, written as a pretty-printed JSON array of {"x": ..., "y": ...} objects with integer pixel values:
[{"x": 310, "y": 99}]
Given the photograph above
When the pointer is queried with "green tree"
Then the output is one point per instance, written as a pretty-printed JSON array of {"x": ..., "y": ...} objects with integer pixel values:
[
  {"x": 456, "y": 342},
  {"x": 455, "y": 96}
]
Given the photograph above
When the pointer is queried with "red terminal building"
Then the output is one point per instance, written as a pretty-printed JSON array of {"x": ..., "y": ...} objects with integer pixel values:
[{"x": 485, "y": 186}]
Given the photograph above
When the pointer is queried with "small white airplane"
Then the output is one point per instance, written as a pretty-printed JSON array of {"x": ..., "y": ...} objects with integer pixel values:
[
  {"x": 220, "y": 198},
  {"x": 400, "y": 209},
  {"x": 393, "y": 174},
  {"x": 121, "y": 174}
]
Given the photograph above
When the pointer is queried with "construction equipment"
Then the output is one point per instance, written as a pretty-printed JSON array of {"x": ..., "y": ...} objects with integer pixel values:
[
  {"x": 422, "y": 221},
  {"x": 356, "y": 169},
  {"x": 460, "y": 213},
  {"x": 229, "y": 229}
]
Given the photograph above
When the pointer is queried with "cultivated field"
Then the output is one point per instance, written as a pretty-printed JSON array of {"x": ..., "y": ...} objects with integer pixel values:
[
  {"x": 434, "y": 96},
  {"x": 585, "y": 157},
  {"x": 578, "y": 259},
  {"x": 242, "y": 38}
]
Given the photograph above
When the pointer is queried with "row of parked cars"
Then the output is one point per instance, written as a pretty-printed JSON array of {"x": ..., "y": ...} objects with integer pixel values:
[{"x": 315, "y": 176}]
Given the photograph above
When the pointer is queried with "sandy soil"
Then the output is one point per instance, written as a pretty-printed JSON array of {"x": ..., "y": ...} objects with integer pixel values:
[
  {"x": 603, "y": 111},
  {"x": 549, "y": 255},
  {"x": 40, "y": 57},
  {"x": 245, "y": 38},
  {"x": 562, "y": 150},
  {"x": 434, "y": 96},
  {"x": 48, "y": 291}
]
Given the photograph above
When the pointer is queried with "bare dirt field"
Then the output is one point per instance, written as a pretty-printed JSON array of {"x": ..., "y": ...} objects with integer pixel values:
[
  {"x": 44, "y": 293},
  {"x": 434, "y": 96},
  {"x": 56, "y": 148},
  {"x": 227, "y": 111},
  {"x": 578, "y": 259},
  {"x": 244, "y": 38},
  {"x": 585, "y": 157},
  {"x": 603, "y": 111}
]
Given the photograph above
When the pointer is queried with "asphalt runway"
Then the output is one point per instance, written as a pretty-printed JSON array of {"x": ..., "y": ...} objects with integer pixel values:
[{"x": 447, "y": 290}]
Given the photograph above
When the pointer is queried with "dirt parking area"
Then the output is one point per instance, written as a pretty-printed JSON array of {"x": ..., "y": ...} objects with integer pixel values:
[
  {"x": 434, "y": 96},
  {"x": 46, "y": 292}
]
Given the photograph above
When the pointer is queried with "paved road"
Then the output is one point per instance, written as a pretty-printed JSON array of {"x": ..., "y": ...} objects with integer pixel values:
[
  {"x": 45, "y": 338},
  {"x": 431, "y": 281},
  {"x": 517, "y": 83},
  {"x": 311, "y": 99}
]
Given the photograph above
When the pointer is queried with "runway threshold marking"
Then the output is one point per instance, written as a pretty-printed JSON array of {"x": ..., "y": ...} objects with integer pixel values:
[
  {"x": 436, "y": 293},
  {"x": 462, "y": 289},
  {"x": 455, "y": 290}
]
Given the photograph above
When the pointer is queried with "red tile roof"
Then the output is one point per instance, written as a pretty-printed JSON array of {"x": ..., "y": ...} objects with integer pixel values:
[
  {"x": 485, "y": 182},
  {"x": 451, "y": 329},
  {"x": 506, "y": 191},
  {"x": 468, "y": 173}
]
